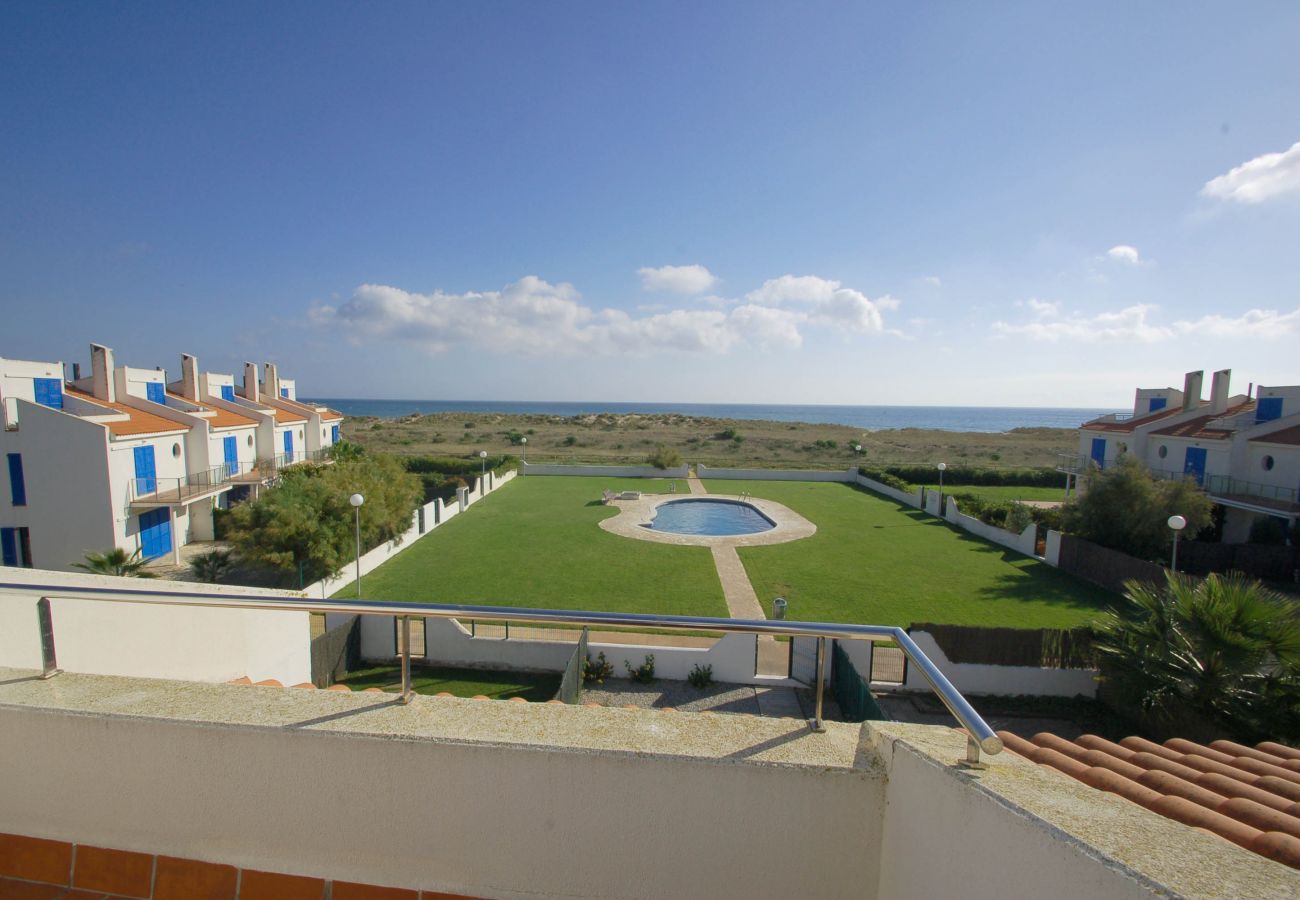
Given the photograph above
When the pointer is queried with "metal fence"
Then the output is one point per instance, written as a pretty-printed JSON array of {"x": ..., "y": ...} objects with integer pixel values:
[
  {"x": 571, "y": 684},
  {"x": 851, "y": 693}
]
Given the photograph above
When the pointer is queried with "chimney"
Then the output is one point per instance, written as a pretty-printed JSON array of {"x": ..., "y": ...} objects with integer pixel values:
[
  {"x": 101, "y": 365},
  {"x": 1219, "y": 390},
  {"x": 271, "y": 380},
  {"x": 189, "y": 378},
  {"x": 1192, "y": 390},
  {"x": 76, "y": 371},
  {"x": 250, "y": 382}
]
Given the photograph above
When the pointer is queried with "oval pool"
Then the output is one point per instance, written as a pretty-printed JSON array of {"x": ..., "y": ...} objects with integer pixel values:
[{"x": 710, "y": 517}]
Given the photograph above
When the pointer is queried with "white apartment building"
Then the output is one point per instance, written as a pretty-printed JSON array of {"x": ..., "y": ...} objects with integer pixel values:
[
  {"x": 1243, "y": 449},
  {"x": 125, "y": 458}
]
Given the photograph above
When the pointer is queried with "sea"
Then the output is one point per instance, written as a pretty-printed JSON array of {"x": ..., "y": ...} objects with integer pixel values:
[{"x": 868, "y": 418}]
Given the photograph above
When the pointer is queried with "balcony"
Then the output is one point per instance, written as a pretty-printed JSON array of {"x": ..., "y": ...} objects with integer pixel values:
[
  {"x": 182, "y": 490},
  {"x": 1110, "y": 418},
  {"x": 315, "y": 457}
]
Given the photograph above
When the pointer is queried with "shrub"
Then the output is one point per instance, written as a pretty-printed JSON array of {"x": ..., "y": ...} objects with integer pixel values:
[
  {"x": 644, "y": 673},
  {"x": 1268, "y": 530},
  {"x": 727, "y": 435},
  {"x": 700, "y": 677},
  {"x": 212, "y": 566},
  {"x": 597, "y": 670},
  {"x": 570, "y": 440},
  {"x": 1018, "y": 518},
  {"x": 664, "y": 458},
  {"x": 889, "y": 479}
]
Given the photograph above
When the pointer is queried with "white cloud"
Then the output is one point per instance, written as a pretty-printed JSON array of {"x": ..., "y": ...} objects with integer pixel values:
[
  {"x": 535, "y": 317},
  {"x": 1041, "y": 308},
  {"x": 1129, "y": 323},
  {"x": 1124, "y": 253},
  {"x": 933, "y": 280},
  {"x": 1260, "y": 179},
  {"x": 678, "y": 279},
  {"x": 1254, "y": 323},
  {"x": 824, "y": 300},
  {"x": 1133, "y": 324}
]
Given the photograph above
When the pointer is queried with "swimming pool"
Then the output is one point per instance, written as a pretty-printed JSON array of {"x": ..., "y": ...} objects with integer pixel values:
[{"x": 711, "y": 517}]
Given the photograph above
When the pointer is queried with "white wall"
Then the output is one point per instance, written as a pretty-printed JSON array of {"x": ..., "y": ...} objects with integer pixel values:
[
  {"x": 849, "y": 475},
  {"x": 934, "y": 502},
  {"x": 605, "y": 471},
  {"x": 16, "y": 384},
  {"x": 913, "y": 499},
  {"x": 1025, "y": 542},
  {"x": 969, "y": 678},
  {"x": 70, "y": 509},
  {"x": 149, "y": 641}
]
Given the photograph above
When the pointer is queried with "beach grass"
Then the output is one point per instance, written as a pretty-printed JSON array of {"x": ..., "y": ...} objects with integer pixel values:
[{"x": 875, "y": 561}]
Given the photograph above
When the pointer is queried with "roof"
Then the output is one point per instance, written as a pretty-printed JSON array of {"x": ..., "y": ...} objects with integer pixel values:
[
  {"x": 1196, "y": 428},
  {"x": 1128, "y": 425},
  {"x": 331, "y": 415},
  {"x": 140, "y": 422},
  {"x": 1284, "y": 436},
  {"x": 283, "y": 415},
  {"x": 222, "y": 418},
  {"x": 1247, "y": 795}
]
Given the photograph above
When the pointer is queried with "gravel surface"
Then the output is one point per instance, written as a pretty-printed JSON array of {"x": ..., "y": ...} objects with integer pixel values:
[{"x": 730, "y": 698}]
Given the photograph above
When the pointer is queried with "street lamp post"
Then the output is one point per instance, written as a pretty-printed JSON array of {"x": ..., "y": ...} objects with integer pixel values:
[
  {"x": 523, "y": 451},
  {"x": 482, "y": 455},
  {"x": 942, "y": 467},
  {"x": 1176, "y": 524},
  {"x": 356, "y": 500}
]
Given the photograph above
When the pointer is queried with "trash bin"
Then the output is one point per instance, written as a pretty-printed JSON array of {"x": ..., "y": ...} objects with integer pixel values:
[{"x": 778, "y": 608}]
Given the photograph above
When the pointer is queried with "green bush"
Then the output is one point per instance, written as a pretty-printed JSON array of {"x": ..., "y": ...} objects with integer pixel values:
[
  {"x": 664, "y": 458},
  {"x": 700, "y": 677},
  {"x": 597, "y": 670},
  {"x": 1268, "y": 530},
  {"x": 570, "y": 440},
  {"x": 887, "y": 478},
  {"x": 644, "y": 673},
  {"x": 962, "y": 475}
]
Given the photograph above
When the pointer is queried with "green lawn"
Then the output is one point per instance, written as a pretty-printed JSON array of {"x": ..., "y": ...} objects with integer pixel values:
[
  {"x": 1004, "y": 492},
  {"x": 874, "y": 561},
  {"x": 536, "y": 543},
  {"x": 537, "y": 687}
]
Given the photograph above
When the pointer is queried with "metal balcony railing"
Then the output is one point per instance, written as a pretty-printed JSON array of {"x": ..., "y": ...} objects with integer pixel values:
[
  {"x": 979, "y": 736},
  {"x": 301, "y": 456},
  {"x": 165, "y": 489}
]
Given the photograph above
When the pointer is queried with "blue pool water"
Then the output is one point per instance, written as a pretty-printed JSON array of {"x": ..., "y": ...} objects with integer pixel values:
[{"x": 712, "y": 517}]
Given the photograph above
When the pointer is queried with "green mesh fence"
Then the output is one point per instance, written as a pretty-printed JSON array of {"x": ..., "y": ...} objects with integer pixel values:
[
  {"x": 571, "y": 684},
  {"x": 850, "y": 689}
]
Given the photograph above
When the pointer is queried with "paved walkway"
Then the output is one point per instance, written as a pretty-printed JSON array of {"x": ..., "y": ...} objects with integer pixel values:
[
  {"x": 742, "y": 602},
  {"x": 696, "y": 486}
]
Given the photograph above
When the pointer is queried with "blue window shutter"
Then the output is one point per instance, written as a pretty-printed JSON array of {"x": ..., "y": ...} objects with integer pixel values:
[
  {"x": 8, "y": 546},
  {"x": 288, "y": 443},
  {"x": 17, "y": 486},
  {"x": 1157, "y": 403},
  {"x": 284, "y": 392},
  {"x": 230, "y": 451},
  {"x": 49, "y": 392},
  {"x": 145, "y": 472},
  {"x": 228, "y": 392},
  {"x": 1269, "y": 408},
  {"x": 156, "y": 392}
]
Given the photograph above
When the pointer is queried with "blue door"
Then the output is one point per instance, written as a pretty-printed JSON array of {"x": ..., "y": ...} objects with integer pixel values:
[
  {"x": 1099, "y": 452},
  {"x": 155, "y": 393},
  {"x": 49, "y": 392},
  {"x": 1268, "y": 409},
  {"x": 334, "y": 435},
  {"x": 1195, "y": 464},
  {"x": 288, "y": 446},
  {"x": 146, "y": 476},
  {"x": 9, "y": 546},
  {"x": 230, "y": 450},
  {"x": 155, "y": 533},
  {"x": 228, "y": 392}
]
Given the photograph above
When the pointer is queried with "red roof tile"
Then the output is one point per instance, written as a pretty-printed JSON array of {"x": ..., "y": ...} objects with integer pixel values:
[
  {"x": 140, "y": 422},
  {"x": 1284, "y": 436},
  {"x": 1248, "y": 795},
  {"x": 222, "y": 418},
  {"x": 1196, "y": 428},
  {"x": 1129, "y": 424}
]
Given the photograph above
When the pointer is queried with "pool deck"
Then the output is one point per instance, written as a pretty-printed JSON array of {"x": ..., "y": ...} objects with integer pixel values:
[{"x": 634, "y": 515}]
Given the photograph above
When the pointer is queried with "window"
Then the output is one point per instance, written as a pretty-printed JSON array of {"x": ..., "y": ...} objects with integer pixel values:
[
  {"x": 1163, "y": 451},
  {"x": 1157, "y": 403},
  {"x": 1267, "y": 463},
  {"x": 228, "y": 392},
  {"x": 49, "y": 392},
  {"x": 284, "y": 392},
  {"x": 16, "y": 547},
  {"x": 17, "y": 486},
  {"x": 250, "y": 440},
  {"x": 176, "y": 451},
  {"x": 334, "y": 434},
  {"x": 155, "y": 392},
  {"x": 1268, "y": 409}
]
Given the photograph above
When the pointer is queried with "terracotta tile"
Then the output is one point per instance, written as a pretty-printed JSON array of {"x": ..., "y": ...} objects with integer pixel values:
[
  {"x": 347, "y": 890},
  {"x": 268, "y": 682},
  {"x": 439, "y": 895},
  {"x": 29, "y": 890},
  {"x": 113, "y": 871},
  {"x": 189, "y": 879},
  {"x": 35, "y": 859},
  {"x": 76, "y": 894},
  {"x": 254, "y": 885}
]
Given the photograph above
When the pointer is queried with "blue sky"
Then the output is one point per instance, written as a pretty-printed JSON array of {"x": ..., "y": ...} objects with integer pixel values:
[{"x": 977, "y": 204}]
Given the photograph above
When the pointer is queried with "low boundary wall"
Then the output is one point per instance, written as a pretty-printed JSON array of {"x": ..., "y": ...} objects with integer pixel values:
[
  {"x": 1025, "y": 542},
  {"x": 847, "y": 475},
  {"x": 912, "y": 499},
  {"x": 606, "y": 471},
  {"x": 972, "y": 678}
]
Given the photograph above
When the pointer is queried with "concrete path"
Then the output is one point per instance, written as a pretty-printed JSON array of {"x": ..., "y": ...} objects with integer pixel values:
[
  {"x": 742, "y": 602},
  {"x": 696, "y": 486},
  {"x": 778, "y": 703}
]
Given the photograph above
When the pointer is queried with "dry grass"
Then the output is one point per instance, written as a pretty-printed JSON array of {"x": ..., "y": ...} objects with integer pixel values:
[{"x": 612, "y": 438}]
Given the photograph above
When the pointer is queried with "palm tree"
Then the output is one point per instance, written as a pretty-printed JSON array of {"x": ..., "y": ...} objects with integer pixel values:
[
  {"x": 116, "y": 562},
  {"x": 212, "y": 566},
  {"x": 1225, "y": 650}
]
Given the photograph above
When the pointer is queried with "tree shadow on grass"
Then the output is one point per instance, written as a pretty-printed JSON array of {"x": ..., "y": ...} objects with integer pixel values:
[{"x": 1046, "y": 585}]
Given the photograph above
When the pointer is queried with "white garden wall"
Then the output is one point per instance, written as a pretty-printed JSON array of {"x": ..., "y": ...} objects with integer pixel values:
[
  {"x": 1025, "y": 542},
  {"x": 912, "y": 499},
  {"x": 606, "y": 471},
  {"x": 1000, "y": 680},
  {"x": 848, "y": 475}
]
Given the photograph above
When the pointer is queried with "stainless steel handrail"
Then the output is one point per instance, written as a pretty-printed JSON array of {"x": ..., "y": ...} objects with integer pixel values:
[{"x": 980, "y": 737}]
